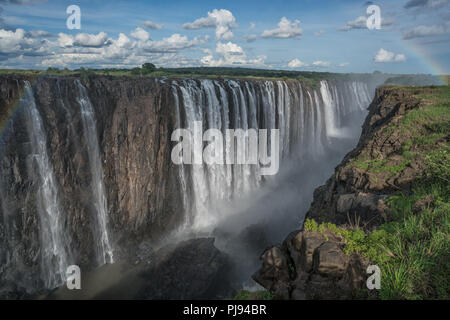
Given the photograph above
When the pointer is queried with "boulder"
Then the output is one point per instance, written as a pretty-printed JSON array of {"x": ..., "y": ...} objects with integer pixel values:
[{"x": 330, "y": 260}]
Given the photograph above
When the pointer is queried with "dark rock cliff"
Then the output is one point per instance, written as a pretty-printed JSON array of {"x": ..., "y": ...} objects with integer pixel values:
[
  {"x": 133, "y": 119},
  {"x": 313, "y": 264},
  {"x": 354, "y": 192}
]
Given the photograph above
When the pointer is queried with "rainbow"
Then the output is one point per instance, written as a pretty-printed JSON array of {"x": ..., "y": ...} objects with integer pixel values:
[{"x": 434, "y": 67}]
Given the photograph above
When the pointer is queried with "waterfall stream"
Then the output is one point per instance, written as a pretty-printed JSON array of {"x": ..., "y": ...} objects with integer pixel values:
[
  {"x": 308, "y": 120},
  {"x": 103, "y": 246},
  {"x": 54, "y": 256}
]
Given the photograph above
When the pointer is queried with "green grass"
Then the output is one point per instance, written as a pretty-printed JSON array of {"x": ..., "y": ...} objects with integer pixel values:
[
  {"x": 413, "y": 248},
  {"x": 424, "y": 128},
  {"x": 253, "y": 295}
]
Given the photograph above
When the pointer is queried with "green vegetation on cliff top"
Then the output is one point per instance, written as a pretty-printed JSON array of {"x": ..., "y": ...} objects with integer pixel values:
[{"x": 413, "y": 248}]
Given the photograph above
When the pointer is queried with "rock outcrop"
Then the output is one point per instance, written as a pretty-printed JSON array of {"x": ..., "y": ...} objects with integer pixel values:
[
  {"x": 314, "y": 265},
  {"x": 355, "y": 194},
  {"x": 311, "y": 265}
]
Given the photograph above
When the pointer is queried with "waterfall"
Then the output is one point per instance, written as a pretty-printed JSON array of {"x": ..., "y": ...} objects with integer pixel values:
[
  {"x": 330, "y": 110},
  {"x": 306, "y": 118},
  {"x": 54, "y": 256},
  {"x": 103, "y": 246}
]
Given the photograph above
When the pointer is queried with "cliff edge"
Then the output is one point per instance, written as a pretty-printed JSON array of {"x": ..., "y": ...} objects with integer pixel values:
[{"x": 387, "y": 204}]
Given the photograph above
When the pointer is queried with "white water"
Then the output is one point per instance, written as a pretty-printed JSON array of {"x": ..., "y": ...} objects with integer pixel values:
[
  {"x": 103, "y": 247},
  {"x": 307, "y": 119},
  {"x": 54, "y": 257}
]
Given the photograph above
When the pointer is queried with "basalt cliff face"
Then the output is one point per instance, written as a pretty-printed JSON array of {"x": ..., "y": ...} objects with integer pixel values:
[
  {"x": 130, "y": 122},
  {"x": 312, "y": 263},
  {"x": 86, "y": 170}
]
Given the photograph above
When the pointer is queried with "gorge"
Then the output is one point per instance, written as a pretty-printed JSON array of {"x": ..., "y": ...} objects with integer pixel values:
[{"x": 87, "y": 177}]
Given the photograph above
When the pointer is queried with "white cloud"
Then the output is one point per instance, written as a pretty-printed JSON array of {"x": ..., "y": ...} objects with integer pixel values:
[
  {"x": 361, "y": 23},
  {"x": 124, "y": 51},
  {"x": 173, "y": 43},
  {"x": 427, "y": 31},
  {"x": 387, "y": 56},
  {"x": 83, "y": 40},
  {"x": 223, "y": 20},
  {"x": 343, "y": 64},
  {"x": 39, "y": 34},
  {"x": 65, "y": 40},
  {"x": 140, "y": 34},
  {"x": 296, "y": 63},
  {"x": 230, "y": 54},
  {"x": 286, "y": 29},
  {"x": 91, "y": 40},
  {"x": 19, "y": 42},
  {"x": 320, "y": 63},
  {"x": 11, "y": 41},
  {"x": 152, "y": 25}
]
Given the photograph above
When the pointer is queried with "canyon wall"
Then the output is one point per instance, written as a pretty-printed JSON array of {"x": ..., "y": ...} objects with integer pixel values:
[{"x": 86, "y": 169}]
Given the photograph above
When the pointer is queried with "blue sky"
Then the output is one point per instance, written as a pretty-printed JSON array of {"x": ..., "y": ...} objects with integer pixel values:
[{"x": 320, "y": 35}]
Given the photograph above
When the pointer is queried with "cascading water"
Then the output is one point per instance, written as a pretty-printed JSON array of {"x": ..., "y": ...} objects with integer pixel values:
[
  {"x": 54, "y": 256},
  {"x": 216, "y": 199},
  {"x": 103, "y": 246},
  {"x": 306, "y": 118}
]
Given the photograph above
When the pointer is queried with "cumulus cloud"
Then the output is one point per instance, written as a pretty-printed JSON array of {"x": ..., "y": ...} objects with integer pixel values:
[
  {"x": 286, "y": 29},
  {"x": 175, "y": 42},
  {"x": 21, "y": 48},
  {"x": 387, "y": 56},
  {"x": 320, "y": 63},
  {"x": 427, "y": 31},
  {"x": 83, "y": 40},
  {"x": 140, "y": 34},
  {"x": 223, "y": 20},
  {"x": 361, "y": 23},
  {"x": 230, "y": 54},
  {"x": 18, "y": 42},
  {"x": 296, "y": 63},
  {"x": 91, "y": 40},
  {"x": 39, "y": 34},
  {"x": 152, "y": 25},
  {"x": 11, "y": 41}
]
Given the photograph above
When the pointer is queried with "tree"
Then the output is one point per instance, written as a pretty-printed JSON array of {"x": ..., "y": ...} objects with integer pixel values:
[
  {"x": 148, "y": 67},
  {"x": 136, "y": 71}
]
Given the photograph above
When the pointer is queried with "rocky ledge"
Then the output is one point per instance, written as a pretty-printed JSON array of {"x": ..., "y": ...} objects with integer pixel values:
[{"x": 398, "y": 135}]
